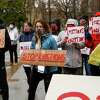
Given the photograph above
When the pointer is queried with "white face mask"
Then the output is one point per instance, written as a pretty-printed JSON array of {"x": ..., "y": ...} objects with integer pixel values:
[{"x": 11, "y": 26}]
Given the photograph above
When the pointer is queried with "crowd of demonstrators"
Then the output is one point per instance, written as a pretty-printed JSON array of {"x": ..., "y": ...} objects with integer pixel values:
[
  {"x": 92, "y": 43},
  {"x": 73, "y": 63},
  {"x": 26, "y": 36},
  {"x": 42, "y": 40},
  {"x": 4, "y": 90},
  {"x": 13, "y": 33},
  {"x": 83, "y": 21}
]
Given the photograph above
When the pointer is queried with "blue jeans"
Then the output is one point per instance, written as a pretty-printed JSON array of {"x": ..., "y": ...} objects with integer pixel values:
[{"x": 85, "y": 63}]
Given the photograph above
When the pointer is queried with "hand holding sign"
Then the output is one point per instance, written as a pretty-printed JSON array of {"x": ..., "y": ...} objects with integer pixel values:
[{"x": 64, "y": 41}]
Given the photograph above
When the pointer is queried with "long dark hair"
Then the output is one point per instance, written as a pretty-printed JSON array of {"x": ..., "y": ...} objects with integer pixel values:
[{"x": 45, "y": 26}]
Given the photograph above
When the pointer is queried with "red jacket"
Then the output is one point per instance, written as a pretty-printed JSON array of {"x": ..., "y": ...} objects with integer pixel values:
[{"x": 93, "y": 42}]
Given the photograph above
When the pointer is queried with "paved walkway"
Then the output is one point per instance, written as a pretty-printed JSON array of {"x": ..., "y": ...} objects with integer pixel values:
[{"x": 18, "y": 85}]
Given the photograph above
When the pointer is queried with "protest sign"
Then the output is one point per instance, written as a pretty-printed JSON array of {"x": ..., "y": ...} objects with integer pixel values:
[
  {"x": 24, "y": 46},
  {"x": 75, "y": 34},
  {"x": 73, "y": 87},
  {"x": 2, "y": 38},
  {"x": 94, "y": 25},
  {"x": 43, "y": 57}
]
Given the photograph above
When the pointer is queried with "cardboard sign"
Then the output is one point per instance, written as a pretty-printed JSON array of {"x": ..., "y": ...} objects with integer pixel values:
[
  {"x": 75, "y": 34},
  {"x": 24, "y": 46},
  {"x": 94, "y": 25},
  {"x": 2, "y": 38},
  {"x": 73, "y": 87},
  {"x": 43, "y": 57}
]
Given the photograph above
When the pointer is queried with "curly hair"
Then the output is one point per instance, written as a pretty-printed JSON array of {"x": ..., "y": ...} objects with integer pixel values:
[{"x": 45, "y": 25}]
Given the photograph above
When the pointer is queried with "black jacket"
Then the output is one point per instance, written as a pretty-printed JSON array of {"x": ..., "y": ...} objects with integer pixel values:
[{"x": 6, "y": 47}]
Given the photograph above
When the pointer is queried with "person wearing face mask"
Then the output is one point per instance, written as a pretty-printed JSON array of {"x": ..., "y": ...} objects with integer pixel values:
[
  {"x": 26, "y": 37},
  {"x": 13, "y": 33},
  {"x": 42, "y": 40}
]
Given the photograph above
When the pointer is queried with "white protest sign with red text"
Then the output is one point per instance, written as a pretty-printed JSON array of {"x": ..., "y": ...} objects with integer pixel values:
[
  {"x": 75, "y": 34},
  {"x": 2, "y": 38},
  {"x": 94, "y": 25},
  {"x": 24, "y": 46},
  {"x": 73, "y": 87}
]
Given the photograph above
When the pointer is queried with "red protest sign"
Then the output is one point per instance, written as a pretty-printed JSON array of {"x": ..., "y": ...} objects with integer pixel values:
[
  {"x": 2, "y": 38},
  {"x": 43, "y": 57}
]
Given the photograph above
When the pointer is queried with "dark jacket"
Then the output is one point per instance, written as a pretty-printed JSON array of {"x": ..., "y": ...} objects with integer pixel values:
[
  {"x": 6, "y": 47},
  {"x": 4, "y": 90},
  {"x": 92, "y": 41},
  {"x": 25, "y": 37}
]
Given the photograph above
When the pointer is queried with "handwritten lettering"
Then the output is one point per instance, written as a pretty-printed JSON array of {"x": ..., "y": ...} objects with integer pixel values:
[
  {"x": 76, "y": 31},
  {"x": 96, "y": 22},
  {"x": 43, "y": 57},
  {"x": 75, "y": 40},
  {"x": 94, "y": 25},
  {"x": 54, "y": 57}
]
